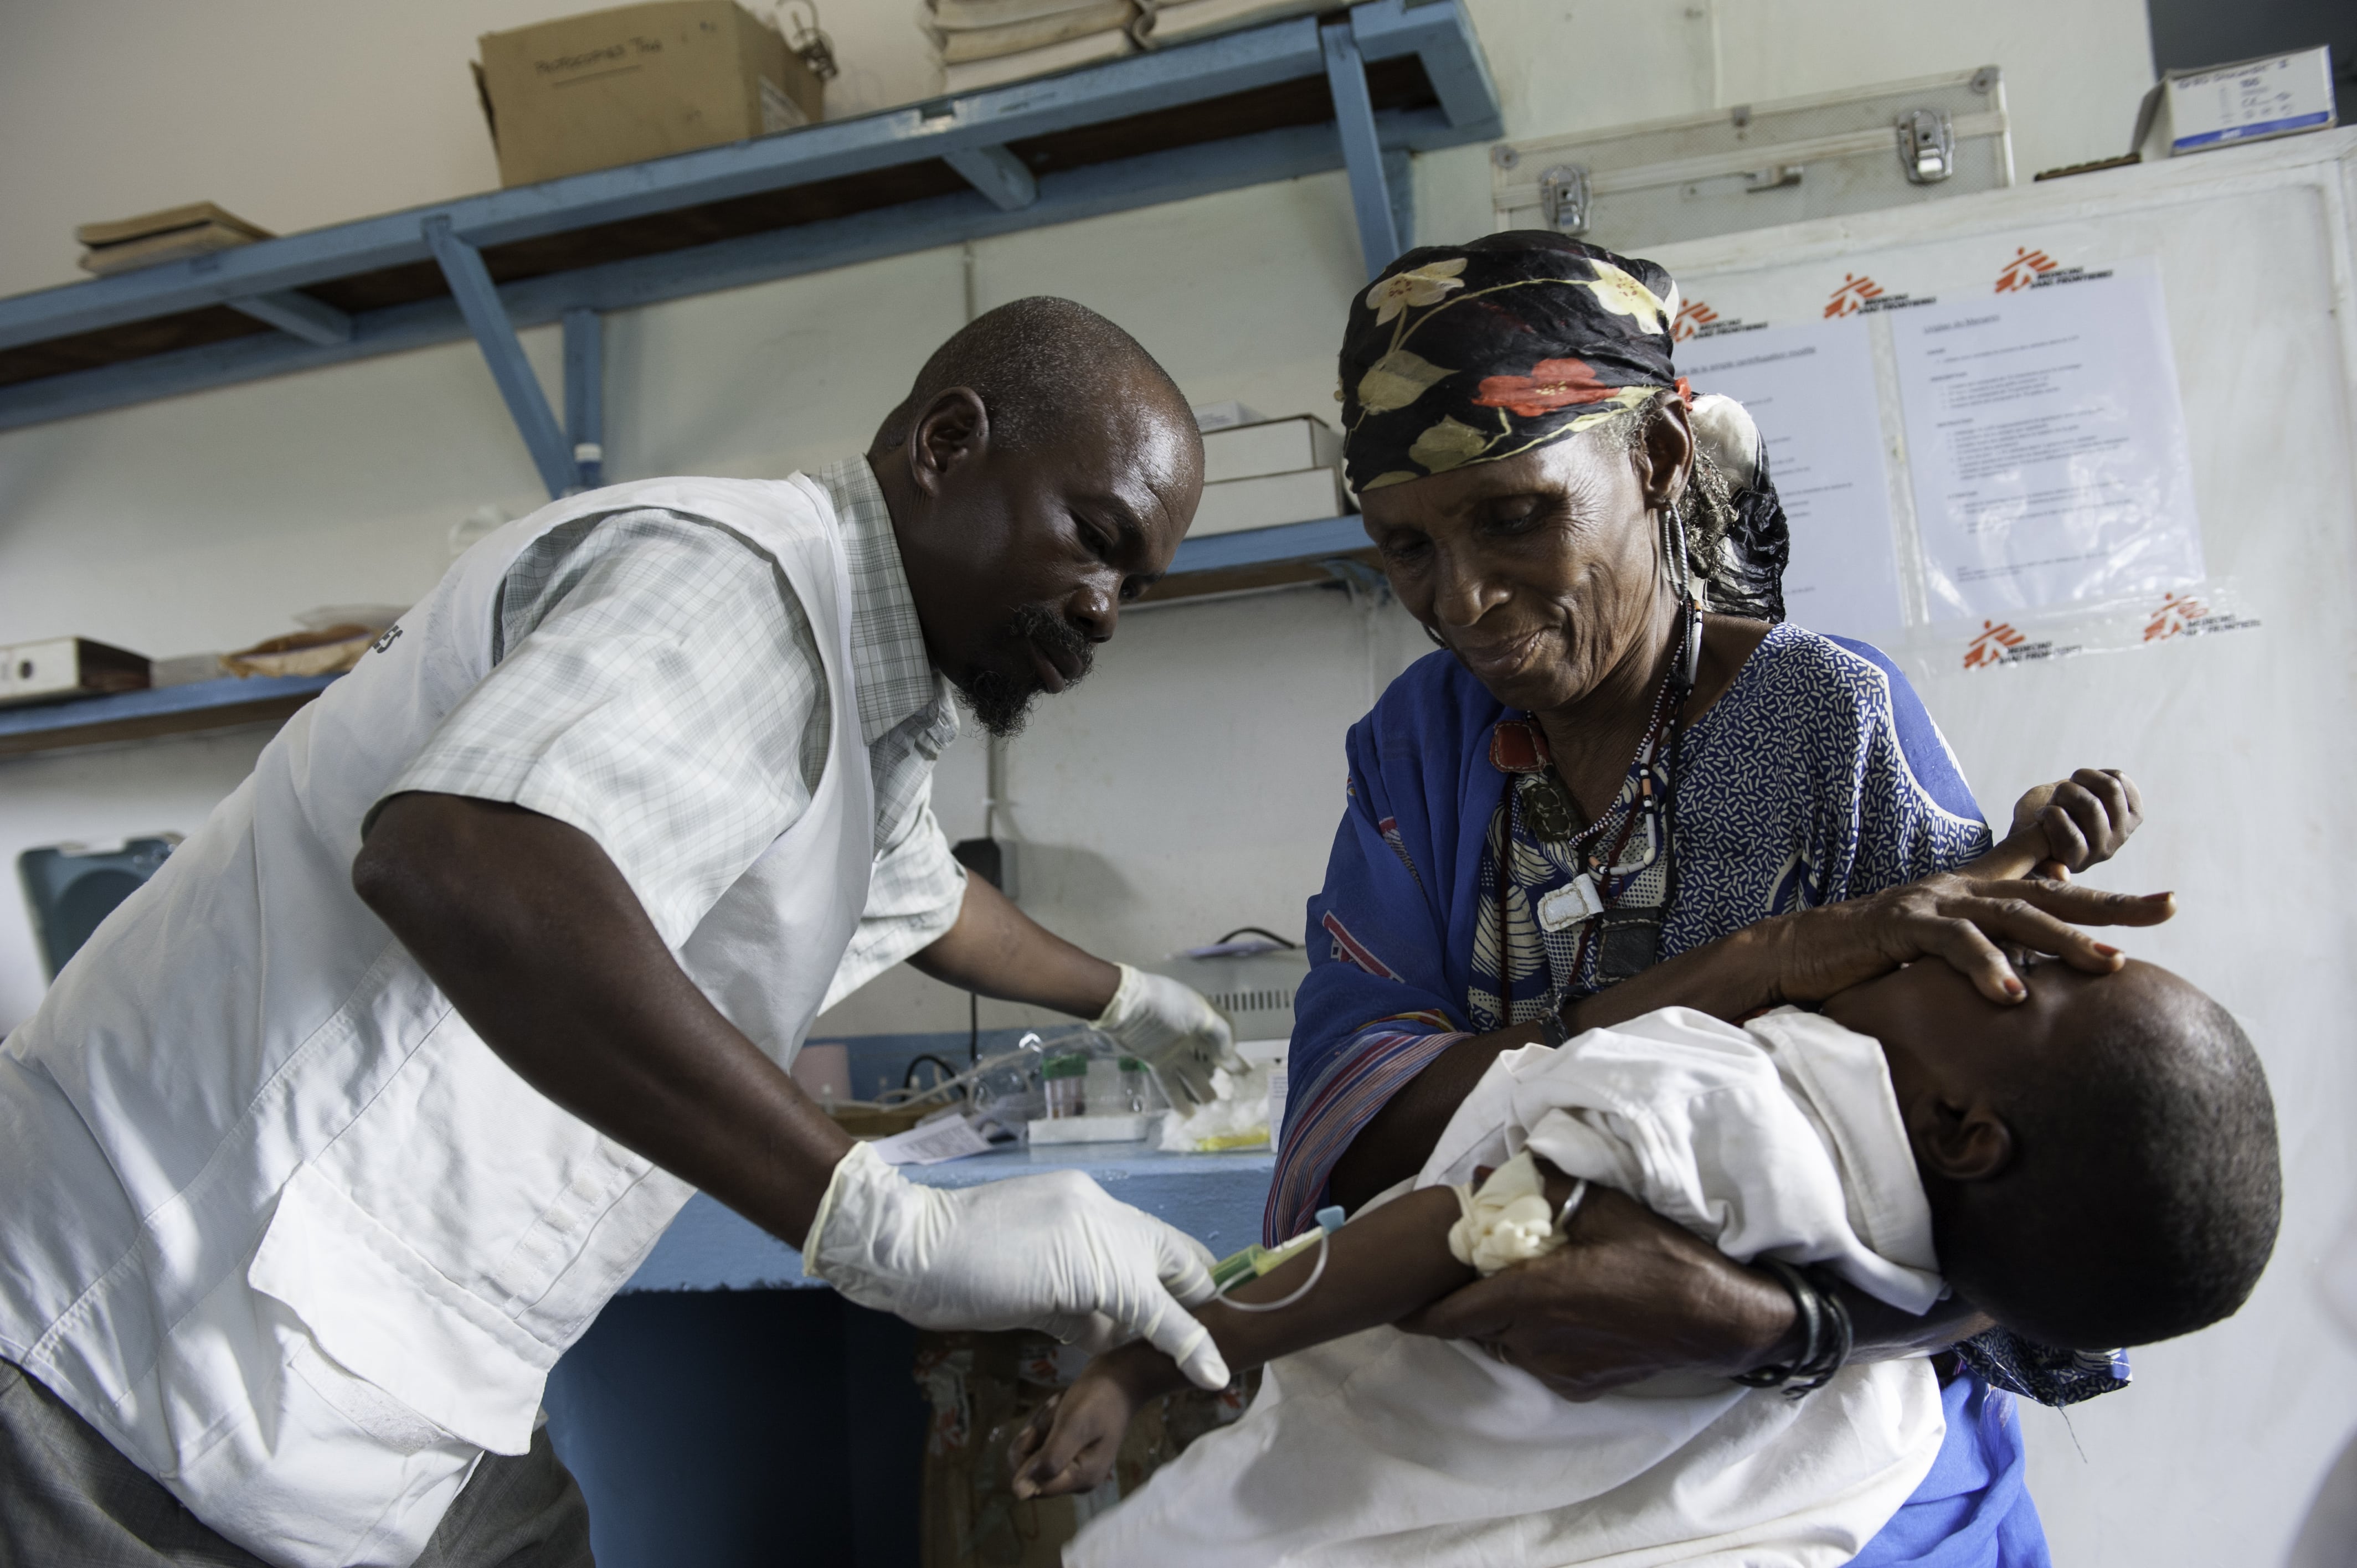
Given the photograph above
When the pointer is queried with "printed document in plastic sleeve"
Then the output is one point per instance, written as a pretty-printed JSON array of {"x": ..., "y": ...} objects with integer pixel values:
[
  {"x": 1811, "y": 390},
  {"x": 2047, "y": 448}
]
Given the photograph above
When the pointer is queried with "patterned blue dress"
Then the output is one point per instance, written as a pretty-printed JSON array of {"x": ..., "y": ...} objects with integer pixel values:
[
  {"x": 1796, "y": 788},
  {"x": 1816, "y": 776}
]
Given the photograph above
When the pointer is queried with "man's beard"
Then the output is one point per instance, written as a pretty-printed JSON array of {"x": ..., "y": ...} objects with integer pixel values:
[{"x": 1001, "y": 703}]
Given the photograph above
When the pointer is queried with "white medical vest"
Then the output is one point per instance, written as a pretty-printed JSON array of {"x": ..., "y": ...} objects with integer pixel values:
[{"x": 271, "y": 1216}]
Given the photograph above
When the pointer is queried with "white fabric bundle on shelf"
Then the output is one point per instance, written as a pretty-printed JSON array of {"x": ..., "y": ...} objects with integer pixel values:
[
  {"x": 1167, "y": 22},
  {"x": 987, "y": 43},
  {"x": 956, "y": 44},
  {"x": 984, "y": 43}
]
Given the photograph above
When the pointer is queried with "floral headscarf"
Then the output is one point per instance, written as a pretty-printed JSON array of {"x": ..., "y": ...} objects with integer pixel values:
[{"x": 1474, "y": 354}]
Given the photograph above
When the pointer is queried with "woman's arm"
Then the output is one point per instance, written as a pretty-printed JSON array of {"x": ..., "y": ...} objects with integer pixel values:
[
  {"x": 1586, "y": 1317},
  {"x": 1805, "y": 956},
  {"x": 1640, "y": 1295},
  {"x": 1632, "y": 1295}
]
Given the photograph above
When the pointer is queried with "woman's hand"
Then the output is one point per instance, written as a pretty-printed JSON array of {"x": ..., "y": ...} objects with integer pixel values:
[
  {"x": 2066, "y": 826},
  {"x": 1956, "y": 917}
]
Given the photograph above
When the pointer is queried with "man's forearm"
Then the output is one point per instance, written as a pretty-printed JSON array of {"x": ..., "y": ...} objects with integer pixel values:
[
  {"x": 536, "y": 937},
  {"x": 995, "y": 950}
]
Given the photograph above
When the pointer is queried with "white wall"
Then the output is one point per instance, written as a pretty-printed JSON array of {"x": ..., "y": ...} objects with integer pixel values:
[
  {"x": 207, "y": 521},
  {"x": 1193, "y": 783},
  {"x": 2237, "y": 742}
]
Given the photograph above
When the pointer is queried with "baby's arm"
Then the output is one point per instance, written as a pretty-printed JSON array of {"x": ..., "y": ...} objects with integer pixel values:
[
  {"x": 1383, "y": 1266},
  {"x": 2065, "y": 826}
]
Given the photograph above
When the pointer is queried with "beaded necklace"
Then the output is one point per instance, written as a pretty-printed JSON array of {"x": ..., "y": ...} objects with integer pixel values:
[{"x": 1627, "y": 939}]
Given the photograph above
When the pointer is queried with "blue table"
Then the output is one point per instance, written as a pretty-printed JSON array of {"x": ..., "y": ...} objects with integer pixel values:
[
  {"x": 727, "y": 1410},
  {"x": 1216, "y": 1198}
]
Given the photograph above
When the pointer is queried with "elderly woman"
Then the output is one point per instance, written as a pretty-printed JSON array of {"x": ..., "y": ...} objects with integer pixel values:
[{"x": 1625, "y": 784}]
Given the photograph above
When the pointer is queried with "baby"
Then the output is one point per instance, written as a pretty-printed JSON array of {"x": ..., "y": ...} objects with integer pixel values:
[{"x": 2094, "y": 1167}]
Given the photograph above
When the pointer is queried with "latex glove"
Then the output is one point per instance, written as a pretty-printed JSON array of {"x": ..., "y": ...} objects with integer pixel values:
[
  {"x": 1168, "y": 1027},
  {"x": 1051, "y": 1251}
]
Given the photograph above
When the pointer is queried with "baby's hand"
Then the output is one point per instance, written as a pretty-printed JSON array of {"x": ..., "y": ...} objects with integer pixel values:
[
  {"x": 1071, "y": 1443},
  {"x": 2072, "y": 825}
]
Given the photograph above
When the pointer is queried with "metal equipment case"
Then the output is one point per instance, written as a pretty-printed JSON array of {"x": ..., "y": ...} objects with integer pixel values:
[{"x": 1760, "y": 164}]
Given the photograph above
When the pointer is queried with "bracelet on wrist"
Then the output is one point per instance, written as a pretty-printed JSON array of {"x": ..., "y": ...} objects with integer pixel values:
[{"x": 1826, "y": 1336}]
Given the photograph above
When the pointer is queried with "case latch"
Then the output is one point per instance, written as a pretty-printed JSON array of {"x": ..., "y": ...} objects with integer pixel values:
[
  {"x": 1563, "y": 198},
  {"x": 1927, "y": 147}
]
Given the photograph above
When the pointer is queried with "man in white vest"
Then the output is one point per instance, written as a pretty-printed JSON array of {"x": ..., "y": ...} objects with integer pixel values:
[{"x": 341, "y": 1130}]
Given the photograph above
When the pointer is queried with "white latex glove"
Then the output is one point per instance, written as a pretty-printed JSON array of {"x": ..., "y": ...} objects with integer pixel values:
[
  {"x": 1051, "y": 1251},
  {"x": 1168, "y": 1027}
]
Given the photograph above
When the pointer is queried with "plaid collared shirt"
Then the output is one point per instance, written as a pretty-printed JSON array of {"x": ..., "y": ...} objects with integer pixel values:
[{"x": 657, "y": 685}]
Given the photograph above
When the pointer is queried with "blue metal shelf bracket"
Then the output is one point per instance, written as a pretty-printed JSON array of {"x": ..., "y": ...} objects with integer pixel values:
[
  {"x": 997, "y": 174},
  {"x": 1363, "y": 148},
  {"x": 290, "y": 311},
  {"x": 271, "y": 279},
  {"x": 585, "y": 393},
  {"x": 487, "y": 319},
  {"x": 1442, "y": 37},
  {"x": 1399, "y": 173}
]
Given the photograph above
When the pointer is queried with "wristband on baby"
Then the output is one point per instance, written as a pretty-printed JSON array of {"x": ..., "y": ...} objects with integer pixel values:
[{"x": 1826, "y": 1336}]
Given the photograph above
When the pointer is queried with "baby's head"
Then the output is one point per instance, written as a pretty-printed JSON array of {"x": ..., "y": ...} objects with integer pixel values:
[{"x": 2101, "y": 1159}]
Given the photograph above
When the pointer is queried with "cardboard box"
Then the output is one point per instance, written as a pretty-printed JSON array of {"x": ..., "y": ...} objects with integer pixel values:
[
  {"x": 2249, "y": 101},
  {"x": 637, "y": 82},
  {"x": 1232, "y": 506},
  {"x": 62, "y": 667},
  {"x": 1270, "y": 447}
]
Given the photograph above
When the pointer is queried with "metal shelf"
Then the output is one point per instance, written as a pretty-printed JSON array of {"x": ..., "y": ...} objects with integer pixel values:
[
  {"x": 1223, "y": 564},
  {"x": 160, "y": 711},
  {"x": 1327, "y": 549},
  {"x": 1357, "y": 89}
]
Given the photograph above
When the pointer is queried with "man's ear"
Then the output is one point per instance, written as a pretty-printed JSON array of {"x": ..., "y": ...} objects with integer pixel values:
[
  {"x": 1961, "y": 1142},
  {"x": 955, "y": 428}
]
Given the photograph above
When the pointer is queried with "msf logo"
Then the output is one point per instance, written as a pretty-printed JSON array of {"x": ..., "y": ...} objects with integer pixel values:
[
  {"x": 2026, "y": 268},
  {"x": 1693, "y": 317},
  {"x": 1851, "y": 297},
  {"x": 2178, "y": 613},
  {"x": 1996, "y": 638}
]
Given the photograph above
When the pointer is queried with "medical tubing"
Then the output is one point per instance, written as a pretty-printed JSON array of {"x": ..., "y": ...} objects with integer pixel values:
[
  {"x": 1325, "y": 1238},
  {"x": 1257, "y": 931}
]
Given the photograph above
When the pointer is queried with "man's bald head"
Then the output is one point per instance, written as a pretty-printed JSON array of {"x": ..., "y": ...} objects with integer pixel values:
[
  {"x": 1043, "y": 367},
  {"x": 1040, "y": 475}
]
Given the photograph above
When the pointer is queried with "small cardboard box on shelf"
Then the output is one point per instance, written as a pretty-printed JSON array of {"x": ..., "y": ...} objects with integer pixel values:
[
  {"x": 59, "y": 668},
  {"x": 637, "y": 82}
]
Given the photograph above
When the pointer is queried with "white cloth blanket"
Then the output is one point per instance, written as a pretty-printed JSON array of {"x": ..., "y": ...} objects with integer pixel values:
[{"x": 1782, "y": 1138}]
